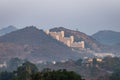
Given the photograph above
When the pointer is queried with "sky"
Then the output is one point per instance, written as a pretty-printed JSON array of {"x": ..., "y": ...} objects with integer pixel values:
[{"x": 88, "y": 16}]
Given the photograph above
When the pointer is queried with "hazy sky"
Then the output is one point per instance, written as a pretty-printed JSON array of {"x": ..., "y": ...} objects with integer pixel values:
[{"x": 87, "y": 16}]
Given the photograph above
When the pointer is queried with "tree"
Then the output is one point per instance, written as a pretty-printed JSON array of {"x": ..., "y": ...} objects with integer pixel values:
[
  {"x": 110, "y": 63},
  {"x": 25, "y": 71},
  {"x": 115, "y": 75},
  {"x": 14, "y": 63},
  {"x": 6, "y": 75},
  {"x": 56, "y": 75},
  {"x": 79, "y": 62}
]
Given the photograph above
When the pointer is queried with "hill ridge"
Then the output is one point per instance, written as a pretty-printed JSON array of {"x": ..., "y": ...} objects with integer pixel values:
[
  {"x": 107, "y": 37},
  {"x": 34, "y": 45}
]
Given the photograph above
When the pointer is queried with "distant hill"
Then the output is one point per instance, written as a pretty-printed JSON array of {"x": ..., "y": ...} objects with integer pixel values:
[
  {"x": 79, "y": 36},
  {"x": 107, "y": 37},
  {"x": 33, "y": 44},
  {"x": 6, "y": 30}
]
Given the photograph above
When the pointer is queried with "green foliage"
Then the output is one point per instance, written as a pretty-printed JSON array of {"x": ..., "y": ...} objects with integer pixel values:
[
  {"x": 115, "y": 75},
  {"x": 110, "y": 63},
  {"x": 56, "y": 75},
  {"x": 6, "y": 75},
  {"x": 79, "y": 62},
  {"x": 94, "y": 61},
  {"x": 14, "y": 63},
  {"x": 29, "y": 71},
  {"x": 25, "y": 71}
]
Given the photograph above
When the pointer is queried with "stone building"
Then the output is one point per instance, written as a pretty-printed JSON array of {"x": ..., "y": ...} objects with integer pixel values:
[{"x": 69, "y": 41}]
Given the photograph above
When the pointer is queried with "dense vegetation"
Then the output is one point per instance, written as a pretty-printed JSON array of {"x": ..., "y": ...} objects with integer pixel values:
[
  {"x": 110, "y": 63},
  {"x": 56, "y": 75},
  {"x": 29, "y": 71},
  {"x": 115, "y": 75},
  {"x": 108, "y": 69}
]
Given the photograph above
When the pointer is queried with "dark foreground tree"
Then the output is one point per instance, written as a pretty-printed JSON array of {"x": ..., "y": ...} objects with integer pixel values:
[
  {"x": 29, "y": 71},
  {"x": 57, "y": 75},
  {"x": 25, "y": 71},
  {"x": 6, "y": 75},
  {"x": 13, "y": 64},
  {"x": 115, "y": 75}
]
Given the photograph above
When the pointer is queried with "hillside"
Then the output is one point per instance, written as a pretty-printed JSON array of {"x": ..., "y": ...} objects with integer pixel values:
[
  {"x": 33, "y": 44},
  {"x": 107, "y": 37},
  {"x": 79, "y": 36},
  {"x": 6, "y": 30}
]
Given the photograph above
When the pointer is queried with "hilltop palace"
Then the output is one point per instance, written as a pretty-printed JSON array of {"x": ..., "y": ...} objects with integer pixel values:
[{"x": 69, "y": 41}]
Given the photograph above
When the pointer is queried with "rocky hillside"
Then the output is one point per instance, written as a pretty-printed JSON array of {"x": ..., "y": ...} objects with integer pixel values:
[
  {"x": 33, "y": 44},
  {"x": 79, "y": 36}
]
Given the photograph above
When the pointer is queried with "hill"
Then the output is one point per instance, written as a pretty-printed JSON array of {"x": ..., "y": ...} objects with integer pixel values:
[
  {"x": 79, "y": 36},
  {"x": 107, "y": 37},
  {"x": 6, "y": 30},
  {"x": 33, "y": 44}
]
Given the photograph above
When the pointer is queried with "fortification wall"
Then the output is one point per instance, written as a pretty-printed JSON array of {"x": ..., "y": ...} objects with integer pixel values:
[
  {"x": 78, "y": 44},
  {"x": 69, "y": 41}
]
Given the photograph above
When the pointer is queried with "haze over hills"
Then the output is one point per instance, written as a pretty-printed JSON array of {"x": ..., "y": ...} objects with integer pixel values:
[
  {"x": 8, "y": 29},
  {"x": 33, "y": 44},
  {"x": 107, "y": 37}
]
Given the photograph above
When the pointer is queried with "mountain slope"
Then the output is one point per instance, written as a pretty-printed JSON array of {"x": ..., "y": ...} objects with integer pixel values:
[
  {"x": 7, "y": 30},
  {"x": 107, "y": 37},
  {"x": 34, "y": 45},
  {"x": 79, "y": 36}
]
